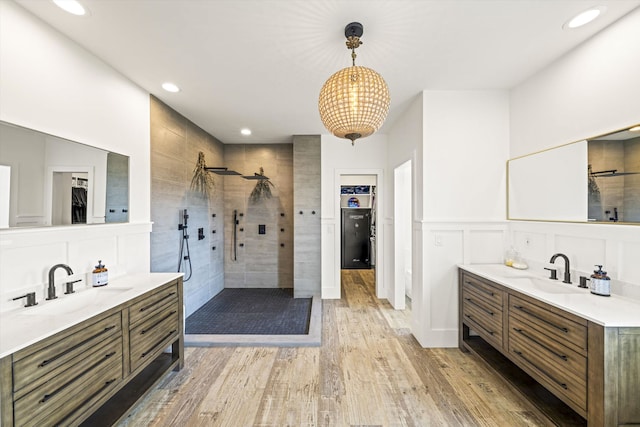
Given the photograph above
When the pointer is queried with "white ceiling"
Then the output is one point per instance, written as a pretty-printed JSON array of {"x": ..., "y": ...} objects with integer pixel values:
[{"x": 261, "y": 63}]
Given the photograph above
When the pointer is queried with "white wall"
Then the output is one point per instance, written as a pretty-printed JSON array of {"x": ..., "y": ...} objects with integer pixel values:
[
  {"x": 405, "y": 144},
  {"x": 466, "y": 142},
  {"x": 51, "y": 84},
  {"x": 339, "y": 157},
  {"x": 593, "y": 90}
]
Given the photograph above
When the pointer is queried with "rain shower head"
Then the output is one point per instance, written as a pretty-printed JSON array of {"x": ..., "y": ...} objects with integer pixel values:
[
  {"x": 611, "y": 173},
  {"x": 222, "y": 171},
  {"x": 255, "y": 176}
]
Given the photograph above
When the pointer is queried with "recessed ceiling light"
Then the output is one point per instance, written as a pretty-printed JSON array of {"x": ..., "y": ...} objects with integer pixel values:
[
  {"x": 584, "y": 18},
  {"x": 170, "y": 87},
  {"x": 245, "y": 132},
  {"x": 71, "y": 6},
  {"x": 635, "y": 129}
]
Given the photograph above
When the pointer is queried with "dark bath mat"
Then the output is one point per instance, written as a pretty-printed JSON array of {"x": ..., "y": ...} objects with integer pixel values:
[{"x": 252, "y": 311}]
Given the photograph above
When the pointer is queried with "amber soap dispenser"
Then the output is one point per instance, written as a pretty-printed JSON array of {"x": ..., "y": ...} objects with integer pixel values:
[{"x": 100, "y": 275}]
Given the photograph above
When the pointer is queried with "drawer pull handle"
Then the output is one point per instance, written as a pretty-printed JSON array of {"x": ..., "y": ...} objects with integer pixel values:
[
  {"x": 489, "y": 312},
  {"x": 144, "y": 331},
  {"x": 530, "y": 313},
  {"x": 59, "y": 355},
  {"x": 485, "y": 329},
  {"x": 158, "y": 343},
  {"x": 478, "y": 287},
  {"x": 563, "y": 385},
  {"x": 550, "y": 350},
  {"x": 48, "y": 396},
  {"x": 147, "y": 307}
]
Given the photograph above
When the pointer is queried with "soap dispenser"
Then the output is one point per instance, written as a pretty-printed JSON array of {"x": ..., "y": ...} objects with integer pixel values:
[
  {"x": 100, "y": 275},
  {"x": 600, "y": 283}
]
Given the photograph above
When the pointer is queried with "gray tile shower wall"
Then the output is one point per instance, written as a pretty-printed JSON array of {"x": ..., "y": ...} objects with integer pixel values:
[
  {"x": 258, "y": 260},
  {"x": 307, "y": 199},
  {"x": 175, "y": 143}
]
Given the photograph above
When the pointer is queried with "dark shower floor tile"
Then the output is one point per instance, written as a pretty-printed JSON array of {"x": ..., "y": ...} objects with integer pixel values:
[{"x": 252, "y": 311}]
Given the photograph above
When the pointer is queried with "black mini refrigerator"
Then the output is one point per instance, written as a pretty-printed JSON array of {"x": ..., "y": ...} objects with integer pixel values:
[{"x": 356, "y": 245}]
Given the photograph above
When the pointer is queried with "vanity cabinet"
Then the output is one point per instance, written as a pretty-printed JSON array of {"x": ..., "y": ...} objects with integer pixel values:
[
  {"x": 153, "y": 325},
  {"x": 53, "y": 380},
  {"x": 94, "y": 371},
  {"x": 593, "y": 369},
  {"x": 551, "y": 346},
  {"x": 482, "y": 309}
]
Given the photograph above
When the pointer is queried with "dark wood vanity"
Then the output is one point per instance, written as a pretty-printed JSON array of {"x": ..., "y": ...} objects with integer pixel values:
[
  {"x": 593, "y": 369},
  {"x": 93, "y": 372}
]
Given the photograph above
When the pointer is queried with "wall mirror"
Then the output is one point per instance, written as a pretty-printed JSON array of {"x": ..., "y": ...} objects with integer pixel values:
[
  {"x": 46, "y": 180},
  {"x": 595, "y": 180}
]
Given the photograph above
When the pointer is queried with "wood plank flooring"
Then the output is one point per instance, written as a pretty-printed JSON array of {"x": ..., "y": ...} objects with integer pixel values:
[{"x": 369, "y": 371}]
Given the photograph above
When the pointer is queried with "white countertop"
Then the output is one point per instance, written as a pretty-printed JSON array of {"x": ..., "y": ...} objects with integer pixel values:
[
  {"x": 612, "y": 311},
  {"x": 22, "y": 327}
]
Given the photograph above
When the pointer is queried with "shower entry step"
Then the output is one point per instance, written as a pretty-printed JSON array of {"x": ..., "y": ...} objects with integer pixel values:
[{"x": 253, "y": 312}]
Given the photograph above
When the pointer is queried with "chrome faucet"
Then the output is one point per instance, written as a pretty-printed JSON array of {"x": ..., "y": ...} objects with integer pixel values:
[
  {"x": 567, "y": 272},
  {"x": 51, "y": 291}
]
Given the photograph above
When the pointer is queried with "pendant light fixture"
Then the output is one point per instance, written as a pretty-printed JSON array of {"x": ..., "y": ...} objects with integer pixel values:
[{"x": 354, "y": 101}]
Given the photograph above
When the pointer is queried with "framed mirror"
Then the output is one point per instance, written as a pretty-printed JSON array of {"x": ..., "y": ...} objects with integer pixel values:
[
  {"x": 46, "y": 180},
  {"x": 595, "y": 180}
]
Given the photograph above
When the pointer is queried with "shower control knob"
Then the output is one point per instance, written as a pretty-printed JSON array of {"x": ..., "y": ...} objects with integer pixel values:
[
  {"x": 241, "y": 245},
  {"x": 301, "y": 212},
  {"x": 213, "y": 248},
  {"x": 242, "y": 229},
  {"x": 282, "y": 245}
]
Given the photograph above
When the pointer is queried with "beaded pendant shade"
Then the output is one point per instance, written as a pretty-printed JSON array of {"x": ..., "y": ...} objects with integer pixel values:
[{"x": 354, "y": 101}]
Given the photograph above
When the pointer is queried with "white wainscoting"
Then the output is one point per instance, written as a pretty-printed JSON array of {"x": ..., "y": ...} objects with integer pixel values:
[
  {"x": 615, "y": 246},
  {"x": 27, "y": 254},
  {"x": 444, "y": 245}
]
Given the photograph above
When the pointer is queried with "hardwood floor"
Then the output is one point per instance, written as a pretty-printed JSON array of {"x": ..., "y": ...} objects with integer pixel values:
[{"x": 369, "y": 371}]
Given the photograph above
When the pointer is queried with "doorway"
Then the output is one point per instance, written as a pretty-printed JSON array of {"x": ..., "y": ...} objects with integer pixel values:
[
  {"x": 402, "y": 209},
  {"x": 359, "y": 198}
]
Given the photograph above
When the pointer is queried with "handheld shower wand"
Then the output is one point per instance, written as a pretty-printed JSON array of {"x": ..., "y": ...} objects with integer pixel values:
[{"x": 184, "y": 243}]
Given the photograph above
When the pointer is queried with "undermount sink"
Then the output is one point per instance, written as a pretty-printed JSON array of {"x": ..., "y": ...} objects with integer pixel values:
[
  {"x": 80, "y": 300},
  {"x": 549, "y": 286},
  {"x": 507, "y": 272}
]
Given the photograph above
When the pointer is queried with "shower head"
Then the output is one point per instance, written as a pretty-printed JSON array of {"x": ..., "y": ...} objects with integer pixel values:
[
  {"x": 611, "y": 173},
  {"x": 223, "y": 171},
  {"x": 255, "y": 176}
]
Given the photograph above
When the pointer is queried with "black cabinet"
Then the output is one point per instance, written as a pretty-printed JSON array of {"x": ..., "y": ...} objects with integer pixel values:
[{"x": 356, "y": 244}]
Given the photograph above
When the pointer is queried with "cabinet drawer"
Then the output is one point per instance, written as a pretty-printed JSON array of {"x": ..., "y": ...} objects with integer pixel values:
[
  {"x": 64, "y": 394},
  {"x": 153, "y": 303},
  {"x": 483, "y": 290},
  {"x": 153, "y": 335},
  {"x": 488, "y": 324},
  {"x": 32, "y": 368},
  {"x": 534, "y": 359},
  {"x": 551, "y": 321},
  {"x": 564, "y": 357}
]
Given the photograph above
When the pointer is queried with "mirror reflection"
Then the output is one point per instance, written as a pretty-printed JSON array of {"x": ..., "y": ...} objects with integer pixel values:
[
  {"x": 595, "y": 180},
  {"x": 46, "y": 180},
  {"x": 614, "y": 177}
]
